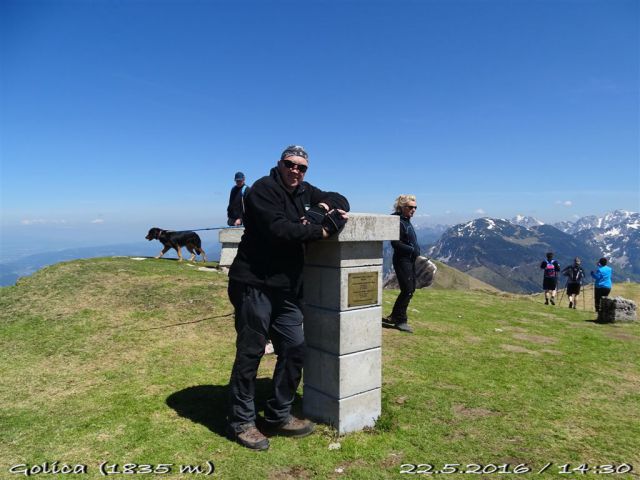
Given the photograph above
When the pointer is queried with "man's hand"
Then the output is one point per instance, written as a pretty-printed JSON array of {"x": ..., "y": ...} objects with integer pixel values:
[
  {"x": 238, "y": 222},
  {"x": 316, "y": 214},
  {"x": 333, "y": 222}
]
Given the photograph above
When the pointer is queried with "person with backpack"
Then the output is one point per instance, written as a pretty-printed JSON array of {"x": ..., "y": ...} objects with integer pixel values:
[
  {"x": 235, "y": 210},
  {"x": 602, "y": 285},
  {"x": 575, "y": 275},
  {"x": 550, "y": 279}
]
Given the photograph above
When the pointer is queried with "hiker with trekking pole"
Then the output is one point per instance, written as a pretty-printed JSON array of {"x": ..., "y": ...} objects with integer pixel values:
[
  {"x": 550, "y": 279},
  {"x": 575, "y": 276}
]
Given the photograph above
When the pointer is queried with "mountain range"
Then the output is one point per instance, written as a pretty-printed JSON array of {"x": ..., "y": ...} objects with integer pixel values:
[
  {"x": 507, "y": 253},
  {"x": 616, "y": 235},
  {"x": 503, "y": 253}
]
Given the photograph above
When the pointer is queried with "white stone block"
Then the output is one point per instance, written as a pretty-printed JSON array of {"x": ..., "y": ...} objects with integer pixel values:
[
  {"x": 348, "y": 254},
  {"x": 230, "y": 235},
  {"x": 346, "y": 415},
  {"x": 227, "y": 254},
  {"x": 344, "y": 375},
  {"x": 367, "y": 227},
  {"x": 328, "y": 287},
  {"x": 341, "y": 333},
  {"x": 230, "y": 238}
]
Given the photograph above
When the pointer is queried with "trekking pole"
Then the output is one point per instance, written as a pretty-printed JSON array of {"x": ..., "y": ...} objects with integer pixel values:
[{"x": 562, "y": 294}]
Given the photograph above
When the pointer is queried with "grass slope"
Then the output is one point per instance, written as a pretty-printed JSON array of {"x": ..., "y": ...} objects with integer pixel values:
[
  {"x": 127, "y": 362},
  {"x": 448, "y": 277}
]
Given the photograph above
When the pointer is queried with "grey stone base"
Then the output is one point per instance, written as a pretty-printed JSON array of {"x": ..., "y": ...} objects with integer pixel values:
[
  {"x": 345, "y": 375},
  {"x": 343, "y": 332},
  {"x": 349, "y": 414},
  {"x": 617, "y": 310},
  {"x": 230, "y": 239}
]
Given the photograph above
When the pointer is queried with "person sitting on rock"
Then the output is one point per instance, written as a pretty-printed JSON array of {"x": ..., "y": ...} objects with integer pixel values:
[{"x": 602, "y": 286}]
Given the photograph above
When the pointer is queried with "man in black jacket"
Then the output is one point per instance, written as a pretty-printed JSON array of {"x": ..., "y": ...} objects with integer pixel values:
[
  {"x": 235, "y": 210},
  {"x": 405, "y": 252},
  {"x": 282, "y": 213}
]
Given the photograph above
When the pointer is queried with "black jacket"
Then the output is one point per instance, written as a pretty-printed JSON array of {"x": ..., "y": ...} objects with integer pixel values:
[
  {"x": 575, "y": 274},
  {"x": 407, "y": 247},
  {"x": 271, "y": 251},
  {"x": 235, "y": 209}
]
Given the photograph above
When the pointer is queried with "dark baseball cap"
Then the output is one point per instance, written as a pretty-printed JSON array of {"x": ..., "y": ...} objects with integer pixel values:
[{"x": 239, "y": 176}]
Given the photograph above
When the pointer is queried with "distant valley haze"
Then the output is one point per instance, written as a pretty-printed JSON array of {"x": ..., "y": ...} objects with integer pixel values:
[{"x": 27, "y": 248}]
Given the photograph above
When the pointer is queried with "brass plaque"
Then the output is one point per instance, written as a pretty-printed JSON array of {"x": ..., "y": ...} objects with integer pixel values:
[{"x": 363, "y": 289}]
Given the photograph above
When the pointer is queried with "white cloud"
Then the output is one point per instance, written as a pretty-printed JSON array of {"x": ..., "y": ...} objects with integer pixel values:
[
  {"x": 40, "y": 221},
  {"x": 564, "y": 203},
  {"x": 480, "y": 211},
  {"x": 97, "y": 220}
]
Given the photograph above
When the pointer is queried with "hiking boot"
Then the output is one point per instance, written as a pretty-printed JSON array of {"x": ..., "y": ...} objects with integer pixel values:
[
  {"x": 552, "y": 301},
  {"x": 546, "y": 301},
  {"x": 404, "y": 327},
  {"x": 388, "y": 322},
  {"x": 574, "y": 306},
  {"x": 293, "y": 427},
  {"x": 249, "y": 436},
  {"x": 570, "y": 304}
]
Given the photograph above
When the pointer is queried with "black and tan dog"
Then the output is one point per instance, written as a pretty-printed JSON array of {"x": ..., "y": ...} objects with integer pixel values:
[{"x": 177, "y": 240}]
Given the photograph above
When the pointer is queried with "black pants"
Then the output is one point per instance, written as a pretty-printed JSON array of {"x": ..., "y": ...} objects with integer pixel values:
[
  {"x": 598, "y": 293},
  {"x": 406, "y": 274},
  {"x": 261, "y": 314}
]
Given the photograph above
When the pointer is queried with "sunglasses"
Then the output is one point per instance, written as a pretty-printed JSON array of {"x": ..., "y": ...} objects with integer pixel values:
[
  {"x": 291, "y": 165},
  {"x": 412, "y": 207}
]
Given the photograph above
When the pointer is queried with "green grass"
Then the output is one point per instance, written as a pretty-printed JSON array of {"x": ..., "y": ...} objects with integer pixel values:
[{"x": 128, "y": 361}]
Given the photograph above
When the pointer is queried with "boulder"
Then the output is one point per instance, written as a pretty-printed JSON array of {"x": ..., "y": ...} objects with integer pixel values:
[{"x": 617, "y": 310}]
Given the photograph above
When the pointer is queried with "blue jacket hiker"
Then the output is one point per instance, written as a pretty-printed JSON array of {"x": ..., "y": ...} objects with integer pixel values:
[{"x": 603, "y": 284}]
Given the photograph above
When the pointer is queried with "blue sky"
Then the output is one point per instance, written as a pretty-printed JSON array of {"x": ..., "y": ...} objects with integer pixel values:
[{"x": 121, "y": 115}]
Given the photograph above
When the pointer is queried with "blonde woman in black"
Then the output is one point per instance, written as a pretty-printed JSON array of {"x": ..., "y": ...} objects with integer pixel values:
[{"x": 405, "y": 253}]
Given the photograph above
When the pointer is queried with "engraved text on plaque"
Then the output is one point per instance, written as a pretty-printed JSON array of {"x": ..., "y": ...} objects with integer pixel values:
[{"x": 363, "y": 289}]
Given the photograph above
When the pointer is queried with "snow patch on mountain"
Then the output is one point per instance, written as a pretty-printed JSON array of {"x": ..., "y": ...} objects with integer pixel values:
[
  {"x": 506, "y": 254},
  {"x": 526, "y": 221},
  {"x": 616, "y": 235}
]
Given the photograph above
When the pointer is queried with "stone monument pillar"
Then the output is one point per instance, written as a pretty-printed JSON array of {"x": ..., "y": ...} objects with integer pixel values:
[
  {"x": 342, "y": 323},
  {"x": 229, "y": 238}
]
